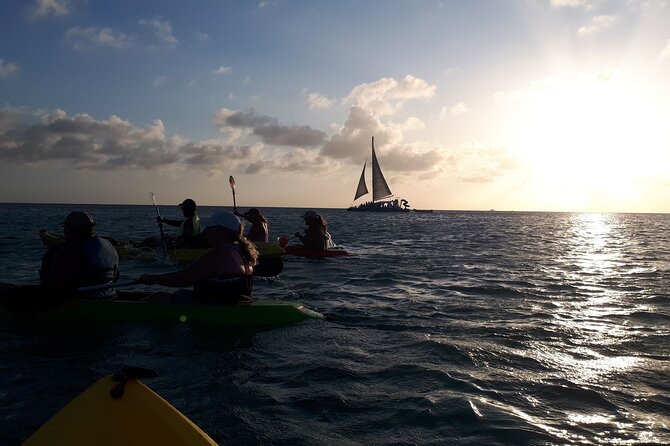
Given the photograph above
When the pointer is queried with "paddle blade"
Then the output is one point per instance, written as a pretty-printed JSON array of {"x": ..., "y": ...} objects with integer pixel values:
[
  {"x": 269, "y": 266},
  {"x": 153, "y": 198},
  {"x": 231, "y": 180}
]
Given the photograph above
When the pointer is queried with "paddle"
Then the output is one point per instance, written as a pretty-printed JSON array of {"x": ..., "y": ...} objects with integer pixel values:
[
  {"x": 33, "y": 299},
  {"x": 160, "y": 226},
  {"x": 231, "y": 180}
]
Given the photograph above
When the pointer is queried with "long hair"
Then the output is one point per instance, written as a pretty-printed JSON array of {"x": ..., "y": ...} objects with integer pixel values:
[{"x": 249, "y": 252}]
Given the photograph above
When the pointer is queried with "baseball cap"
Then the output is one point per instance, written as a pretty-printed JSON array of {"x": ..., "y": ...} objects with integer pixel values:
[
  {"x": 79, "y": 219},
  {"x": 188, "y": 203},
  {"x": 224, "y": 219}
]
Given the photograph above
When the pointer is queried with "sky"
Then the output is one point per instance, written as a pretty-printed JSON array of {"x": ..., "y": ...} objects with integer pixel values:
[{"x": 523, "y": 105}]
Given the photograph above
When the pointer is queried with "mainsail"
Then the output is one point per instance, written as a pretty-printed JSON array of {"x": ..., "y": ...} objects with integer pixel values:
[
  {"x": 379, "y": 187},
  {"x": 362, "y": 188}
]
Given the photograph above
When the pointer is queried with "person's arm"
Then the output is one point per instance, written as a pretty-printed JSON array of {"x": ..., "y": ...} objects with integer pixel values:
[
  {"x": 211, "y": 264},
  {"x": 170, "y": 222}
]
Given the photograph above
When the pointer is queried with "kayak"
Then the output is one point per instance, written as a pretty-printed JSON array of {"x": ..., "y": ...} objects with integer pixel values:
[
  {"x": 138, "y": 416},
  {"x": 315, "y": 253},
  {"x": 128, "y": 249},
  {"x": 26, "y": 304},
  {"x": 269, "y": 264}
]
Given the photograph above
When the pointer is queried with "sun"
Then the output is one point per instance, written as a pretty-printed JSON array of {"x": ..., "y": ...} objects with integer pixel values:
[{"x": 593, "y": 134}]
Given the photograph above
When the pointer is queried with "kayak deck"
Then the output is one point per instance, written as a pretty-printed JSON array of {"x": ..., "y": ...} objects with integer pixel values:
[
  {"x": 315, "y": 253},
  {"x": 138, "y": 417},
  {"x": 257, "y": 314}
]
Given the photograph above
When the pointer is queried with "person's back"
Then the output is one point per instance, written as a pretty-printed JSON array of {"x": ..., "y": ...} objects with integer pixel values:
[
  {"x": 258, "y": 232},
  {"x": 315, "y": 234},
  {"x": 83, "y": 259},
  {"x": 223, "y": 274}
]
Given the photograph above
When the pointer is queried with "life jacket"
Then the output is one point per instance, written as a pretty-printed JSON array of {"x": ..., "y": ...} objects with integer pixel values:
[
  {"x": 197, "y": 229},
  {"x": 225, "y": 290},
  {"x": 101, "y": 265},
  {"x": 258, "y": 232}
]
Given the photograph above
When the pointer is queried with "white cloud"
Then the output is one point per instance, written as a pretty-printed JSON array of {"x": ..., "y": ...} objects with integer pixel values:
[
  {"x": 387, "y": 95},
  {"x": 162, "y": 30},
  {"x": 665, "y": 52},
  {"x": 598, "y": 24},
  {"x": 223, "y": 70},
  {"x": 583, "y": 4},
  {"x": 83, "y": 38},
  {"x": 317, "y": 101},
  {"x": 8, "y": 68},
  {"x": 159, "y": 80},
  {"x": 49, "y": 8},
  {"x": 201, "y": 38},
  {"x": 457, "y": 109}
]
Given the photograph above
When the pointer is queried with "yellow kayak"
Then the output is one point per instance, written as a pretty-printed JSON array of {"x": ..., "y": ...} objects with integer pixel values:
[
  {"x": 269, "y": 264},
  {"x": 138, "y": 417},
  {"x": 127, "y": 249}
]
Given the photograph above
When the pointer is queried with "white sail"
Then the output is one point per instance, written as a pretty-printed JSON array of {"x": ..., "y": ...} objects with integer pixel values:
[
  {"x": 380, "y": 189},
  {"x": 362, "y": 188}
]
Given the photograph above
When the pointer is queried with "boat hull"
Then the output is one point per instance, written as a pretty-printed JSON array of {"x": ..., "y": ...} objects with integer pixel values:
[
  {"x": 315, "y": 253},
  {"x": 139, "y": 307},
  {"x": 138, "y": 417}
]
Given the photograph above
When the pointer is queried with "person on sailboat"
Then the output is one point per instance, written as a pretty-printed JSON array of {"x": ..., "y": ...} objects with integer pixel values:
[
  {"x": 258, "y": 232},
  {"x": 316, "y": 234}
]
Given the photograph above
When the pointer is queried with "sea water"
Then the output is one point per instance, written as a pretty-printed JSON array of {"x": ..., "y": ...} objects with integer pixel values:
[{"x": 462, "y": 328}]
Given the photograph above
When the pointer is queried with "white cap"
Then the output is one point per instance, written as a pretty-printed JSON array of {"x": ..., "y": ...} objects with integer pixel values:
[{"x": 224, "y": 219}]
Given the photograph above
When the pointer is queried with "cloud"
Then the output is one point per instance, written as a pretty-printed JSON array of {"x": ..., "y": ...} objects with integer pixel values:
[
  {"x": 663, "y": 55},
  {"x": 598, "y": 24},
  {"x": 457, "y": 109},
  {"x": 159, "y": 80},
  {"x": 86, "y": 38},
  {"x": 475, "y": 163},
  {"x": 316, "y": 101},
  {"x": 223, "y": 70},
  {"x": 566, "y": 3},
  {"x": 387, "y": 95},
  {"x": 201, "y": 38},
  {"x": 250, "y": 142},
  {"x": 162, "y": 30},
  {"x": 48, "y": 8},
  {"x": 8, "y": 68},
  {"x": 267, "y": 128}
]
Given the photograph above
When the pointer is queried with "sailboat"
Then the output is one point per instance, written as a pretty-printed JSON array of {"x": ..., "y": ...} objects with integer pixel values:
[{"x": 380, "y": 191}]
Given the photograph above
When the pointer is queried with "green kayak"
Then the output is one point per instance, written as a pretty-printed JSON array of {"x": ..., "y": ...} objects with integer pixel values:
[{"x": 144, "y": 307}]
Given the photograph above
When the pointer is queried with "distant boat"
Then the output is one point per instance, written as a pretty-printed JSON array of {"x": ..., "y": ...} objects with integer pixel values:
[{"x": 380, "y": 191}]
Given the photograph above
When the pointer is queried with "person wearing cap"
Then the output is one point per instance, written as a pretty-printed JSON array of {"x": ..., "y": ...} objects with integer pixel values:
[
  {"x": 83, "y": 259},
  {"x": 223, "y": 274},
  {"x": 189, "y": 227},
  {"x": 316, "y": 234},
  {"x": 258, "y": 232}
]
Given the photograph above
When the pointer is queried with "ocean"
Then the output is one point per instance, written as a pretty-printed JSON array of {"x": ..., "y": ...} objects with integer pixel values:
[{"x": 460, "y": 328}]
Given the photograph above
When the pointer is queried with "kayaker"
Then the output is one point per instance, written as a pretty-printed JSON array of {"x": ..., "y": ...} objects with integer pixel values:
[
  {"x": 189, "y": 227},
  {"x": 258, "y": 232},
  {"x": 82, "y": 259},
  {"x": 316, "y": 234},
  {"x": 223, "y": 274}
]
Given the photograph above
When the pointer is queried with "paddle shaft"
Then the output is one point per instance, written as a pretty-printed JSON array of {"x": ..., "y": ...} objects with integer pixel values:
[
  {"x": 106, "y": 286},
  {"x": 231, "y": 180},
  {"x": 158, "y": 214}
]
